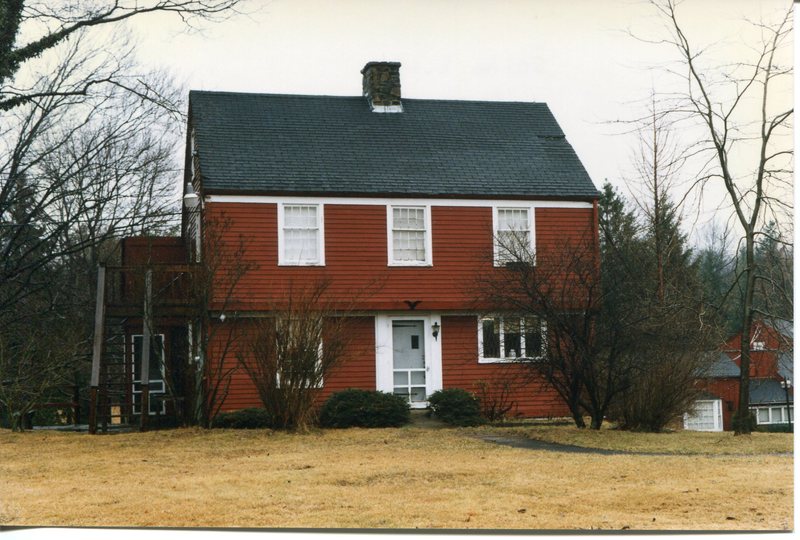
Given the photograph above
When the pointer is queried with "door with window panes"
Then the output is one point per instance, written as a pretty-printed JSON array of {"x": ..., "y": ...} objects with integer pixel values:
[
  {"x": 156, "y": 380},
  {"x": 409, "y": 368}
]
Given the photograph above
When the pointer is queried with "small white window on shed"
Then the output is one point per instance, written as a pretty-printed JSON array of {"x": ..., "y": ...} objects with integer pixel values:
[{"x": 757, "y": 346}]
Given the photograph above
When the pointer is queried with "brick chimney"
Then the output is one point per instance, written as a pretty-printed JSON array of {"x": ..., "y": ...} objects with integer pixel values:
[{"x": 381, "y": 85}]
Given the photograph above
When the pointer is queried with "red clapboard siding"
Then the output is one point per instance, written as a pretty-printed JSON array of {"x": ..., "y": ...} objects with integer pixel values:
[
  {"x": 356, "y": 369},
  {"x": 146, "y": 249},
  {"x": 764, "y": 363},
  {"x": 460, "y": 369},
  {"x": 357, "y": 260},
  {"x": 459, "y": 364}
]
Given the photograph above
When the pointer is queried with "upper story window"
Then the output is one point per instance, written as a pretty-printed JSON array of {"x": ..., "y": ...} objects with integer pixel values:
[
  {"x": 301, "y": 237},
  {"x": 409, "y": 229},
  {"x": 506, "y": 339},
  {"x": 513, "y": 234}
]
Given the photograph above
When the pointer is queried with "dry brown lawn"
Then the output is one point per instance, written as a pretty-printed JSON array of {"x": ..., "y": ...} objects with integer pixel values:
[{"x": 393, "y": 478}]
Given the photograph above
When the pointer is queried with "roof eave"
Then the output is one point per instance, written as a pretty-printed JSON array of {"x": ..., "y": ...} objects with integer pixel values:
[{"x": 405, "y": 195}]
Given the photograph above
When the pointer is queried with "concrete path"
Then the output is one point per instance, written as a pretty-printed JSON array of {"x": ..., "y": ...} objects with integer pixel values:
[{"x": 533, "y": 444}]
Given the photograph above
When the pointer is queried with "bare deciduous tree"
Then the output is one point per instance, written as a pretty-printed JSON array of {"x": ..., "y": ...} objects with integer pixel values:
[
  {"x": 30, "y": 28},
  {"x": 587, "y": 338},
  {"x": 76, "y": 174},
  {"x": 747, "y": 147},
  {"x": 678, "y": 328},
  {"x": 292, "y": 350},
  {"x": 34, "y": 361},
  {"x": 215, "y": 289}
]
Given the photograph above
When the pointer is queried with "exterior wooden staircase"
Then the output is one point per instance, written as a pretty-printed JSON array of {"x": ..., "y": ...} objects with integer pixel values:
[{"x": 128, "y": 298}]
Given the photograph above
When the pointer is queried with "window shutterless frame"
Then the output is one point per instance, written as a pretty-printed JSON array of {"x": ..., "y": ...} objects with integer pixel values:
[
  {"x": 319, "y": 232},
  {"x": 497, "y": 231},
  {"x": 501, "y": 323},
  {"x": 773, "y": 414},
  {"x": 403, "y": 227}
]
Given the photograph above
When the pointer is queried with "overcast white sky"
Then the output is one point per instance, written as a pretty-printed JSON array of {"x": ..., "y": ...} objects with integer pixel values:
[{"x": 576, "y": 56}]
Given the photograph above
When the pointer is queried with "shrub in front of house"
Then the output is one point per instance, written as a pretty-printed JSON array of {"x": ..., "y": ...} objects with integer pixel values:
[
  {"x": 775, "y": 428},
  {"x": 254, "y": 418},
  {"x": 364, "y": 408},
  {"x": 456, "y": 407}
]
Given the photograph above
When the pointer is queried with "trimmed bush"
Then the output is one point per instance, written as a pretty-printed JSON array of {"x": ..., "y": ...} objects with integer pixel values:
[
  {"x": 456, "y": 407},
  {"x": 243, "y": 419},
  {"x": 364, "y": 408},
  {"x": 776, "y": 428}
]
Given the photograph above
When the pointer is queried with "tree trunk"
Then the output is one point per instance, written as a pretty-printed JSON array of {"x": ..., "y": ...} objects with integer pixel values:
[
  {"x": 743, "y": 426},
  {"x": 578, "y": 418}
]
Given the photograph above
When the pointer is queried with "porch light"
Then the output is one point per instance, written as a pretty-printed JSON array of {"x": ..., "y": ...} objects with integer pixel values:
[
  {"x": 436, "y": 327},
  {"x": 191, "y": 199},
  {"x": 221, "y": 317}
]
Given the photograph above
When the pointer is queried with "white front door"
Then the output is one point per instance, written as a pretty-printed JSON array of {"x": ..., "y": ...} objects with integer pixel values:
[
  {"x": 408, "y": 361},
  {"x": 408, "y": 357}
]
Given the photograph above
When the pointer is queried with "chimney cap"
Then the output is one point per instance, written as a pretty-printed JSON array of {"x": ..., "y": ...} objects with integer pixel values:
[{"x": 374, "y": 63}]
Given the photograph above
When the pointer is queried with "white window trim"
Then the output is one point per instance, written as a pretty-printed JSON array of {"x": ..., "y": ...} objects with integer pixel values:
[
  {"x": 320, "y": 238},
  {"x": 503, "y": 360},
  {"x": 769, "y": 408},
  {"x": 390, "y": 235},
  {"x": 498, "y": 262}
]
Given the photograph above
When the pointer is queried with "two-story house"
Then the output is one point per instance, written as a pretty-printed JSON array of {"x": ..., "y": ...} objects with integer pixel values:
[{"x": 399, "y": 204}]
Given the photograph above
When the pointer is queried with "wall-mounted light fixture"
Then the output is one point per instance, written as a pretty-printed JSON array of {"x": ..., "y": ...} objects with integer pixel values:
[
  {"x": 191, "y": 200},
  {"x": 435, "y": 330},
  {"x": 221, "y": 317}
]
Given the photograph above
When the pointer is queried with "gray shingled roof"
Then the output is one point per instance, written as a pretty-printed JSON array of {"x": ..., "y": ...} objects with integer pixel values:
[
  {"x": 267, "y": 143},
  {"x": 722, "y": 367},
  {"x": 786, "y": 365},
  {"x": 764, "y": 391},
  {"x": 784, "y": 327}
]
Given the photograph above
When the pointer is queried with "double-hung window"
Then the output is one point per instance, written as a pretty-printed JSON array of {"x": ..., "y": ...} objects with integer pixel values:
[
  {"x": 506, "y": 339},
  {"x": 513, "y": 235},
  {"x": 409, "y": 240},
  {"x": 301, "y": 238}
]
